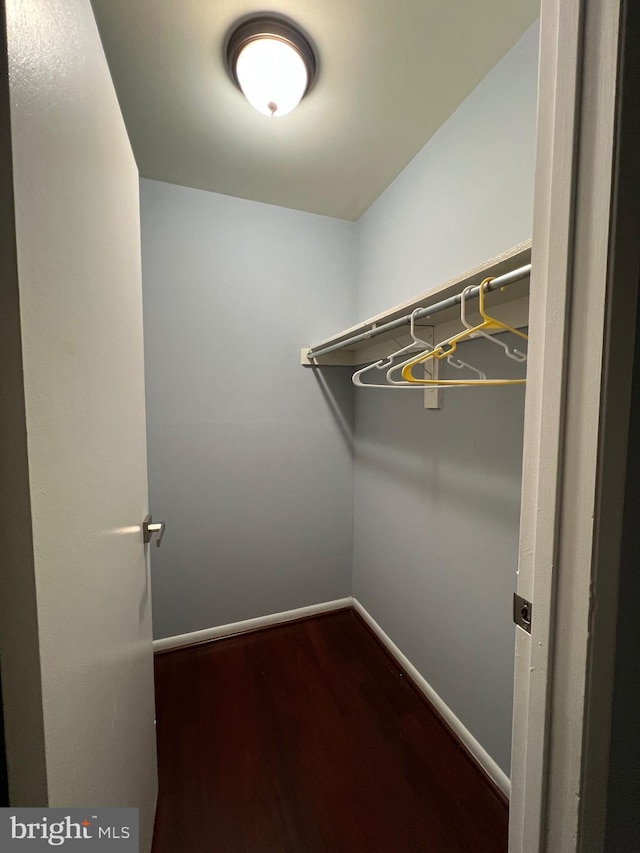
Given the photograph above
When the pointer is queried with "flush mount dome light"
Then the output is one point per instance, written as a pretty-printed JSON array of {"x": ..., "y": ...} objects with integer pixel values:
[{"x": 272, "y": 62}]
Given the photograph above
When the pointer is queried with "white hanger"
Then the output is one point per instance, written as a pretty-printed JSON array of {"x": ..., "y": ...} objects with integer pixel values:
[
  {"x": 380, "y": 365},
  {"x": 401, "y": 383},
  {"x": 514, "y": 354},
  {"x": 416, "y": 343},
  {"x": 388, "y": 361},
  {"x": 459, "y": 364}
]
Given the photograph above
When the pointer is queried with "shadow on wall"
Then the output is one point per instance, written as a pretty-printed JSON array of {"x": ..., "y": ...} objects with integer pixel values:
[
  {"x": 468, "y": 449},
  {"x": 449, "y": 479},
  {"x": 437, "y": 496},
  {"x": 338, "y": 391}
]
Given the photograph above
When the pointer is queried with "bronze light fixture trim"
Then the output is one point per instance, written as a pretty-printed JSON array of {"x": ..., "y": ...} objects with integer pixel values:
[{"x": 272, "y": 62}]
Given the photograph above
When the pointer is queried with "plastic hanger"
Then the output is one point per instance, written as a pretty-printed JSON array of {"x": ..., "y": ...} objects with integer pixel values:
[
  {"x": 387, "y": 362},
  {"x": 447, "y": 347},
  {"x": 514, "y": 354},
  {"x": 459, "y": 364},
  {"x": 400, "y": 383},
  {"x": 384, "y": 363}
]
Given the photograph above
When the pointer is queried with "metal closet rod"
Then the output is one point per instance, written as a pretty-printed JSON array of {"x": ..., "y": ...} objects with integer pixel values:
[{"x": 496, "y": 284}]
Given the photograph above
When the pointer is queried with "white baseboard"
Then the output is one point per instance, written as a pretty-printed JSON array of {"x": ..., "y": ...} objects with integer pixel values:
[
  {"x": 477, "y": 751},
  {"x": 222, "y": 631},
  {"x": 208, "y": 634}
]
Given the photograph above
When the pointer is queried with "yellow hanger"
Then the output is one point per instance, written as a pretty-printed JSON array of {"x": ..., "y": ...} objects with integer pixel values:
[{"x": 448, "y": 347}]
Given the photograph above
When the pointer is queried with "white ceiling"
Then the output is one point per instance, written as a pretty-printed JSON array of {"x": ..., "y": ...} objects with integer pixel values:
[{"x": 390, "y": 73}]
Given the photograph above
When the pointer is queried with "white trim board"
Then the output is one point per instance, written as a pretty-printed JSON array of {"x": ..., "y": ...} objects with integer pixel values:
[
  {"x": 221, "y": 632},
  {"x": 495, "y": 773}
]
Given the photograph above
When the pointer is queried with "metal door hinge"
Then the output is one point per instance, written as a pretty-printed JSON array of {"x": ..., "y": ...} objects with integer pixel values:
[{"x": 522, "y": 610}]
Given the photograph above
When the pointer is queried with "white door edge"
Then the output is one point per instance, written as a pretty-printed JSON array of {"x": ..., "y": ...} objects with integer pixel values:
[{"x": 566, "y": 448}]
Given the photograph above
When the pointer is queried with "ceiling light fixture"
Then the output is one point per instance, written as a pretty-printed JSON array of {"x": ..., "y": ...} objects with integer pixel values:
[{"x": 272, "y": 62}]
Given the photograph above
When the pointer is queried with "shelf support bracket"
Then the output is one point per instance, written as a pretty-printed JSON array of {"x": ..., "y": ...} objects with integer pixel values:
[{"x": 432, "y": 396}]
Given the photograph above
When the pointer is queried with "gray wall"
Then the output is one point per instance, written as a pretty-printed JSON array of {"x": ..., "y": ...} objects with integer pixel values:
[
  {"x": 437, "y": 493},
  {"x": 465, "y": 197},
  {"x": 250, "y": 455}
]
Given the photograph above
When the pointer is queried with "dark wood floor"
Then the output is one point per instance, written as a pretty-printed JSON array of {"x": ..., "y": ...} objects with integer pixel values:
[{"x": 307, "y": 738}]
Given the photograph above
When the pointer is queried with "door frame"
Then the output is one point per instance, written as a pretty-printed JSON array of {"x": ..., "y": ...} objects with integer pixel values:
[{"x": 582, "y": 331}]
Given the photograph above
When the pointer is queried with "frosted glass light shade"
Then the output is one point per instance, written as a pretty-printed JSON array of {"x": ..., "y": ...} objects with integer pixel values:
[
  {"x": 272, "y": 75},
  {"x": 272, "y": 62}
]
